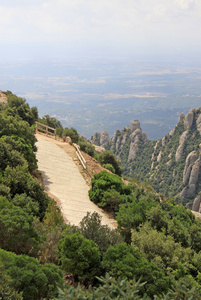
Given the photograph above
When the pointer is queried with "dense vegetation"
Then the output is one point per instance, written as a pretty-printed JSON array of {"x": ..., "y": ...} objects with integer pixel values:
[
  {"x": 153, "y": 254},
  {"x": 156, "y": 229}
]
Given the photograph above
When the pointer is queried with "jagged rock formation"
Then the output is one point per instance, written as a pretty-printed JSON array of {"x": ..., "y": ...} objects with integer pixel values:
[
  {"x": 196, "y": 204},
  {"x": 180, "y": 149},
  {"x": 171, "y": 164},
  {"x": 190, "y": 160},
  {"x": 198, "y": 124},
  {"x": 100, "y": 139},
  {"x": 188, "y": 121},
  {"x": 104, "y": 138}
]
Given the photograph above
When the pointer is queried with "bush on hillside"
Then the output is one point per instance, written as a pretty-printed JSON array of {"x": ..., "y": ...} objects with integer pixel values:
[{"x": 108, "y": 157}]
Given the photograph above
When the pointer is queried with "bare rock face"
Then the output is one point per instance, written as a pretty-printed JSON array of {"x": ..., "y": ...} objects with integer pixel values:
[
  {"x": 163, "y": 142},
  {"x": 180, "y": 149},
  {"x": 135, "y": 125},
  {"x": 181, "y": 117},
  {"x": 115, "y": 135},
  {"x": 156, "y": 145},
  {"x": 171, "y": 133},
  {"x": 187, "y": 191},
  {"x": 99, "y": 149},
  {"x": 133, "y": 149},
  {"x": 159, "y": 156},
  {"x": 68, "y": 140},
  {"x": 135, "y": 136},
  {"x": 95, "y": 138},
  {"x": 188, "y": 121},
  {"x": 144, "y": 136},
  {"x": 123, "y": 140},
  {"x": 198, "y": 124},
  {"x": 169, "y": 163},
  {"x": 190, "y": 160},
  {"x": 193, "y": 179},
  {"x": 114, "y": 138},
  {"x": 118, "y": 142},
  {"x": 196, "y": 204},
  {"x": 195, "y": 172},
  {"x": 104, "y": 138}
]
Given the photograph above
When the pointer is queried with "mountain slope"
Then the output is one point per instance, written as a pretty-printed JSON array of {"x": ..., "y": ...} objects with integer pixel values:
[{"x": 172, "y": 164}]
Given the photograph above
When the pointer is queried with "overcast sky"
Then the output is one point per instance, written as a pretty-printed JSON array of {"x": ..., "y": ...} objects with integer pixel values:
[{"x": 37, "y": 28}]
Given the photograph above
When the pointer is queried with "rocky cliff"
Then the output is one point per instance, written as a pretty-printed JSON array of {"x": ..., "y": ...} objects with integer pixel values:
[{"x": 172, "y": 164}]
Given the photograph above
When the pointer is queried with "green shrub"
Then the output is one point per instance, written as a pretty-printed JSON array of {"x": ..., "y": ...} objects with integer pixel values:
[
  {"x": 86, "y": 147},
  {"x": 34, "y": 280},
  {"x": 107, "y": 157},
  {"x": 124, "y": 261},
  {"x": 108, "y": 190},
  {"x": 109, "y": 167},
  {"x": 79, "y": 257},
  {"x": 17, "y": 233}
]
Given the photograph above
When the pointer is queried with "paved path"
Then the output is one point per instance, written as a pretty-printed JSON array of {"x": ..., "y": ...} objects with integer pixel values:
[{"x": 62, "y": 179}]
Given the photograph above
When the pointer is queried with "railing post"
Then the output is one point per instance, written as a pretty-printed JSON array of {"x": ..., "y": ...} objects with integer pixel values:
[{"x": 45, "y": 129}]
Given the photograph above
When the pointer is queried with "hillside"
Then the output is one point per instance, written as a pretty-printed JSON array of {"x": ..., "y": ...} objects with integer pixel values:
[
  {"x": 153, "y": 254},
  {"x": 171, "y": 164}
]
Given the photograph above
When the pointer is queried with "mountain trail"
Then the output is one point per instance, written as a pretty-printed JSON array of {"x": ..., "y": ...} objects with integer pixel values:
[{"x": 62, "y": 179}]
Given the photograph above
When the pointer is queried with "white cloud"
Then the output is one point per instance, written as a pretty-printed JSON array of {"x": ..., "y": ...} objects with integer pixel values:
[{"x": 185, "y": 4}]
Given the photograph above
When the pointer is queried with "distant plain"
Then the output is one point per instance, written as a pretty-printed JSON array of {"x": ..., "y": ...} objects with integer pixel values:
[{"x": 92, "y": 95}]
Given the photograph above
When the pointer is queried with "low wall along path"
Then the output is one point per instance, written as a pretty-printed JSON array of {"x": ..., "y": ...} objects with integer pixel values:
[{"x": 63, "y": 180}]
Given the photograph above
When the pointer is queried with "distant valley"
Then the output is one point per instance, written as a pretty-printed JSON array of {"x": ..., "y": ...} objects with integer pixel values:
[{"x": 91, "y": 96}]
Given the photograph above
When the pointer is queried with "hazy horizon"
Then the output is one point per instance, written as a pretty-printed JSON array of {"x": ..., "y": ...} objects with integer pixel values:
[
  {"x": 124, "y": 59},
  {"x": 49, "y": 29}
]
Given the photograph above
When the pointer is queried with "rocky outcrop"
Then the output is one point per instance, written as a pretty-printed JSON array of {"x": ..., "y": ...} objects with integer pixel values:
[
  {"x": 171, "y": 133},
  {"x": 169, "y": 163},
  {"x": 116, "y": 133},
  {"x": 194, "y": 173},
  {"x": 95, "y": 138},
  {"x": 144, "y": 136},
  {"x": 198, "y": 124},
  {"x": 135, "y": 136},
  {"x": 100, "y": 139},
  {"x": 196, "y": 204},
  {"x": 190, "y": 160},
  {"x": 181, "y": 117},
  {"x": 163, "y": 159},
  {"x": 189, "y": 190},
  {"x": 159, "y": 156},
  {"x": 104, "y": 138},
  {"x": 155, "y": 147},
  {"x": 188, "y": 121},
  {"x": 134, "y": 125},
  {"x": 180, "y": 149}
]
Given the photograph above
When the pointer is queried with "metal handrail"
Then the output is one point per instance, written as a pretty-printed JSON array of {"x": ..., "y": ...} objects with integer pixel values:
[{"x": 80, "y": 156}]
